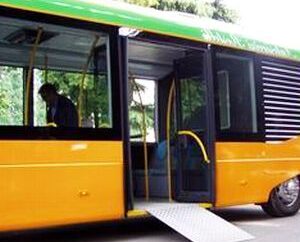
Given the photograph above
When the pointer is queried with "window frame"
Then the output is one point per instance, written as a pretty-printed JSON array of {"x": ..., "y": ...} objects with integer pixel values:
[
  {"x": 236, "y": 136},
  {"x": 59, "y": 133}
]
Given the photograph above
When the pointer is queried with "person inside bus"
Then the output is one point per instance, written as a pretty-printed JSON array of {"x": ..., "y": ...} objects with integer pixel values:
[{"x": 60, "y": 110}]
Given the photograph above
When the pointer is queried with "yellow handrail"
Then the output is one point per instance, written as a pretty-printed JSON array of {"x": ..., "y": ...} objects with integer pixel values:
[
  {"x": 169, "y": 111},
  {"x": 84, "y": 71},
  {"x": 199, "y": 142},
  {"x": 29, "y": 74},
  {"x": 46, "y": 69},
  {"x": 52, "y": 124}
]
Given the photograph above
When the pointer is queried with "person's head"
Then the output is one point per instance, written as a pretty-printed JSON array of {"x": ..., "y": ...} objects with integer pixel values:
[{"x": 48, "y": 93}]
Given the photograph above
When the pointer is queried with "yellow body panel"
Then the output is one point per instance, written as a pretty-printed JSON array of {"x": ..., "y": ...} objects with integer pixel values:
[
  {"x": 44, "y": 183},
  {"x": 247, "y": 172}
]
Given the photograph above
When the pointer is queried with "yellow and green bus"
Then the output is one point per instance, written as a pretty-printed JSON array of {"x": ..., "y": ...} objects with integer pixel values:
[{"x": 221, "y": 127}]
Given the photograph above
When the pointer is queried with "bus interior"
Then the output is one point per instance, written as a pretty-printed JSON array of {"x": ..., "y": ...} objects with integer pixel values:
[
  {"x": 60, "y": 56},
  {"x": 160, "y": 64}
]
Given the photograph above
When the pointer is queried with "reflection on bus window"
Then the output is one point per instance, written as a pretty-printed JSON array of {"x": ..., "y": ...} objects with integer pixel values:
[
  {"x": 224, "y": 99},
  {"x": 192, "y": 92},
  {"x": 11, "y": 96},
  {"x": 237, "y": 98}
]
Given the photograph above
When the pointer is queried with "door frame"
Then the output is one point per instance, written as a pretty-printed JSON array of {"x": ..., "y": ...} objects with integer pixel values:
[
  {"x": 208, "y": 72},
  {"x": 201, "y": 196}
]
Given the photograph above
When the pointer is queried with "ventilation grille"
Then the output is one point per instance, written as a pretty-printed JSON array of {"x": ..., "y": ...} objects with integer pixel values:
[{"x": 281, "y": 86}]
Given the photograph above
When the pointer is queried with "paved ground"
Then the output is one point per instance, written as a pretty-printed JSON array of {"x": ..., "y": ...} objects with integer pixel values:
[{"x": 249, "y": 218}]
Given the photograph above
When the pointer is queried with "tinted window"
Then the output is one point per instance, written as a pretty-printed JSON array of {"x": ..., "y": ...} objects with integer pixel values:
[{"x": 236, "y": 94}]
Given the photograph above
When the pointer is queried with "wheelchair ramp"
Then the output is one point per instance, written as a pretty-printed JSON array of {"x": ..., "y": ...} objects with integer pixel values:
[{"x": 197, "y": 224}]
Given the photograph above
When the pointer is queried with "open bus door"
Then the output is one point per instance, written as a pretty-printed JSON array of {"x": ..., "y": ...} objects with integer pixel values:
[{"x": 195, "y": 126}]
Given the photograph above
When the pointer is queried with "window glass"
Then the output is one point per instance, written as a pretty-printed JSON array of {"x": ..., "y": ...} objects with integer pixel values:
[
  {"x": 95, "y": 111},
  {"x": 236, "y": 94},
  {"x": 85, "y": 84},
  {"x": 69, "y": 85},
  {"x": 192, "y": 101},
  {"x": 11, "y": 95},
  {"x": 224, "y": 99},
  {"x": 143, "y": 93}
]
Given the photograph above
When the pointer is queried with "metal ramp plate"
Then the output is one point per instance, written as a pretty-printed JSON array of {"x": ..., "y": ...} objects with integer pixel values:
[{"x": 197, "y": 224}]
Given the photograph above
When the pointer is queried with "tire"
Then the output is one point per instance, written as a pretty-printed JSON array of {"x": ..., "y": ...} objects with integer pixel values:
[{"x": 284, "y": 199}]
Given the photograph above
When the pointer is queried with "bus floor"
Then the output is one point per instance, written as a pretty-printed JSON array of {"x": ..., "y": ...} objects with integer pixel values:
[{"x": 142, "y": 203}]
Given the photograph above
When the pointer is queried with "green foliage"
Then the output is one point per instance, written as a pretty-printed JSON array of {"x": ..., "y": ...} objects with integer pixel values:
[
  {"x": 220, "y": 12},
  {"x": 215, "y": 9},
  {"x": 11, "y": 93},
  {"x": 192, "y": 101},
  {"x": 136, "y": 109},
  {"x": 39, "y": 104},
  {"x": 188, "y": 6},
  {"x": 4, "y": 104},
  {"x": 145, "y": 3},
  {"x": 136, "y": 118}
]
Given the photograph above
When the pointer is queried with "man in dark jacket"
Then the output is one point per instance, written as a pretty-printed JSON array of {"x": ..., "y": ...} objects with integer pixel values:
[{"x": 60, "y": 110}]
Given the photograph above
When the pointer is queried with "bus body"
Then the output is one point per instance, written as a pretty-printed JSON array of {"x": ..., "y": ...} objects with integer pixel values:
[{"x": 229, "y": 128}]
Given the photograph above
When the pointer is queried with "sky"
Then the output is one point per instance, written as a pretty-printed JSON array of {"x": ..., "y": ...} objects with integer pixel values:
[{"x": 275, "y": 21}]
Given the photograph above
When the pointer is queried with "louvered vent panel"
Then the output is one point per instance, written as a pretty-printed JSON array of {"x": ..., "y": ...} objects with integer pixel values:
[{"x": 281, "y": 86}]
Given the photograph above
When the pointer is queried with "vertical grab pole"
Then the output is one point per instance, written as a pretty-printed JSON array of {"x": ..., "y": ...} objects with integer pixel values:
[
  {"x": 29, "y": 74},
  {"x": 46, "y": 69},
  {"x": 169, "y": 111},
  {"x": 144, "y": 128}
]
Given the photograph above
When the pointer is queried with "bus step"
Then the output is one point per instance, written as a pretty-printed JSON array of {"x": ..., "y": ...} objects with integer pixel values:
[{"x": 197, "y": 224}]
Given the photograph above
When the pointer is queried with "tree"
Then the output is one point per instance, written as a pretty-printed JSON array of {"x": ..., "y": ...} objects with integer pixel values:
[
  {"x": 145, "y": 3},
  {"x": 11, "y": 89},
  {"x": 221, "y": 12},
  {"x": 136, "y": 109},
  {"x": 187, "y": 6},
  {"x": 216, "y": 9}
]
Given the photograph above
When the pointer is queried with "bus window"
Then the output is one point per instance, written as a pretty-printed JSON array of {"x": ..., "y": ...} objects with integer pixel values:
[
  {"x": 75, "y": 61},
  {"x": 224, "y": 101},
  {"x": 236, "y": 94},
  {"x": 80, "y": 72},
  {"x": 95, "y": 111},
  {"x": 11, "y": 93},
  {"x": 143, "y": 93}
]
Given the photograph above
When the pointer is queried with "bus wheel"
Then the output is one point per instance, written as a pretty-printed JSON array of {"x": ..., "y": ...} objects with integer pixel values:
[{"x": 284, "y": 200}]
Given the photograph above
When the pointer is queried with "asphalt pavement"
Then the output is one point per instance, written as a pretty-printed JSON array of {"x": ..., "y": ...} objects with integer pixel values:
[{"x": 249, "y": 218}]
